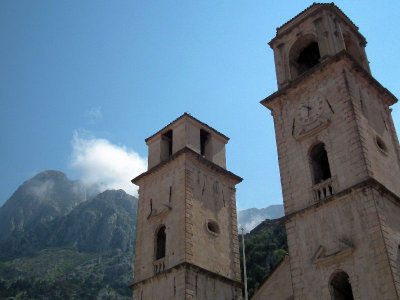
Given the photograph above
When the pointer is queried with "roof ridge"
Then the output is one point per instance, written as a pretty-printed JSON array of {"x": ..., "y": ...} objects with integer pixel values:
[
  {"x": 186, "y": 114},
  {"x": 313, "y": 5}
]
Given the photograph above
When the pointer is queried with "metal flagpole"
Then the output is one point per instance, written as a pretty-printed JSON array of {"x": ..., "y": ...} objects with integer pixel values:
[{"x": 244, "y": 266}]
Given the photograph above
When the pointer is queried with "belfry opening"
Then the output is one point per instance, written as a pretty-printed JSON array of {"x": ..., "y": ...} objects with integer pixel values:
[{"x": 320, "y": 163}]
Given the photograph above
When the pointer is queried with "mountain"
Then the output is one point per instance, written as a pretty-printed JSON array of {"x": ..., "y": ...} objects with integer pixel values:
[
  {"x": 103, "y": 223},
  {"x": 42, "y": 198},
  {"x": 77, "y": 247},
  {"x": 250, "y": 218},
  {"x": 265, "y": 246}
]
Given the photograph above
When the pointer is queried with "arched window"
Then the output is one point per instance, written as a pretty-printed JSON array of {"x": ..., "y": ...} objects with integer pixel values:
[
  {"x": 303, "y": 55},
  {"x": 160, "y": 243},
  {"x": 320, "y": 163},
  {"x": 341, "y": 287}
]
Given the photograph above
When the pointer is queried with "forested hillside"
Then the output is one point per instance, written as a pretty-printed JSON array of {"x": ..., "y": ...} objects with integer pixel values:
[{"x": 265, "y": 246}]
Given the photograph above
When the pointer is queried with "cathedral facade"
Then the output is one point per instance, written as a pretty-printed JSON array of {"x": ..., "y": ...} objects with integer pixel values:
[{"x": 339, "y": 161}]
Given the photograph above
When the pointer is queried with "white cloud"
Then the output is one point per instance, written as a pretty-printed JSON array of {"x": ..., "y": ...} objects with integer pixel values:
[
  {"x": 41, "y": 189},
  {"x": 251, "y": 224},
  {"x": 101, "y": 163}
]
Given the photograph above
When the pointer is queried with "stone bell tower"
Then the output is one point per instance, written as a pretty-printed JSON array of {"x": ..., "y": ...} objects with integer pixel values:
[
  {"x": 187, "y": 240},
  {"x": 339, "y": 160}
]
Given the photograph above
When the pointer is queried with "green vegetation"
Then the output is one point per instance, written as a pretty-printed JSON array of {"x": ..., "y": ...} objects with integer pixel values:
[
  {"x": 67, "y": 274},
  {"x": 265, "y": 247}
]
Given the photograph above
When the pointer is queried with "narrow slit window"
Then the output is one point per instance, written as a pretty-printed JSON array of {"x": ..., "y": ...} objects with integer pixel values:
[
  {"x": 160, "y": 243},
  {"x": 167, "y": 138},
  {"x": 204, "y": 135}
]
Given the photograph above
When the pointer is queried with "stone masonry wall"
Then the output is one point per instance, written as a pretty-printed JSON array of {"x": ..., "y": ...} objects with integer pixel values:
[
  {"x": 155, "y": 188},
  {"x": 279, "y": 284},
  {"x": 344, "y": 234},
  {"x": 341, "y": 138},
  {"x": 389, "y": 212},
  {"x": 210, "y": 197}
]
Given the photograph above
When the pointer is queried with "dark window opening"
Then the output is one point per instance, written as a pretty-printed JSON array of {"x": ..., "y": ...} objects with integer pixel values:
[
  {"x": 308, "y": 57},
  {"x": 168, "y": 138},
  {"x": 170, "y": 193},
  {"x": 398, "y": 260},
  {"x": 320, "y": 163},
  {"x": 341, "y": 287},
  {"x": 160, "y": 243},
  {"x": 203, "y": 141}
]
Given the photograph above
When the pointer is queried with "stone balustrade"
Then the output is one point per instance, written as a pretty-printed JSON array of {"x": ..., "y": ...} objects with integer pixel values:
[
  {"x": 323, "y": 189},
  {"x": 159, "y": 265}
]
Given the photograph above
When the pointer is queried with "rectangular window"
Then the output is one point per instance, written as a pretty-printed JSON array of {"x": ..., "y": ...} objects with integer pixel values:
[
  {"x": 204, "y": 136},
  {"x": 166, "y": 147}
]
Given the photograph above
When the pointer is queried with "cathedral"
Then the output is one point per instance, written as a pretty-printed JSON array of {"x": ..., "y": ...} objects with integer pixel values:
[{"x": 339, "y": 161}]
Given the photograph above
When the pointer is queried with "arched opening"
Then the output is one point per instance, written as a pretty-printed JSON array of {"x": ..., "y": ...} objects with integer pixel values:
[
  {"x": 341, "y": 287},
  {"x": 308, "y": 57},
  {"x": 320, "y": 163},
  {"x": 303, "y": 55},
  {"x": 160, "y": 243}
]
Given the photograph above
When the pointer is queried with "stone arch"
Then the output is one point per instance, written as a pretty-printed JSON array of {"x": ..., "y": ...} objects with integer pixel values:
[
  {"x": 319, "y": 163},
  {"x": 160, "y": 240},
  {"x": 340, "y": 286},
  {"x": 303, "y": 55}
]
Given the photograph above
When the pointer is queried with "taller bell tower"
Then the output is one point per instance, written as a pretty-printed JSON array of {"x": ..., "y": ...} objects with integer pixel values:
[
  {"x": 187, "y": 239},
  {"x": 339, "y": 160}
]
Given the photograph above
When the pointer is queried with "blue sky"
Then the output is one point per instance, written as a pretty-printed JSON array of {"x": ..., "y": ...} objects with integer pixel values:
[{"x": 83, "y": 82}]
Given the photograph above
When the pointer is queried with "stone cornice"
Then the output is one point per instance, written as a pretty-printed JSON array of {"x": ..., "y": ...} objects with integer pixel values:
[
  {"x": 186, "y": 265},
  {"x": 370, "y": 182},
  {"x": 311, "y": 11},
  {"x": 320, "y": 68},
  {"x": 194, "y": 155}
]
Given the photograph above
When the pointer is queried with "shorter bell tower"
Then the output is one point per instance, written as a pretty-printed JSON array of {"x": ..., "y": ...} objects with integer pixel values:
[{"x": 187, "y": 239}]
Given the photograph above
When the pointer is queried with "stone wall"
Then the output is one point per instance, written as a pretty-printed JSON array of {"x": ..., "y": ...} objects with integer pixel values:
[
  {"x": 165, "y": 211},
  {"x": 344, "y": 234},
  {"x": 211, "y": 198},
  {"x": 186, "y": 282},
  {"x": 279, "y": 284}
]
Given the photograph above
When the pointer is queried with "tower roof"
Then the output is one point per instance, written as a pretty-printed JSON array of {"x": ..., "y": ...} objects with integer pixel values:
[
  {"x": 312, "y": 9},
  {"x": 187, "y": 115}
]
